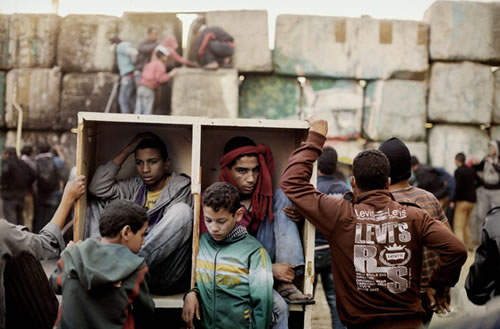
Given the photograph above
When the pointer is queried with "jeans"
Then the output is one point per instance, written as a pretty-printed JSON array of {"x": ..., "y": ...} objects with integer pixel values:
[
  {"x": 281, "y": 237},
  {"x": 127, "y": 93},
  {"x": 144, "y": 100},
  {"x": 13, "y": 211},
  {"x": 280, "y": 312},
  {"x": 322, "y": 267},
  {"x": 167, "y": 251}
]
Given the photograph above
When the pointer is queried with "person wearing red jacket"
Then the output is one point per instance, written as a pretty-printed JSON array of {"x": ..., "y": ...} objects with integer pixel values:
[{"x": 154, "y": 73}]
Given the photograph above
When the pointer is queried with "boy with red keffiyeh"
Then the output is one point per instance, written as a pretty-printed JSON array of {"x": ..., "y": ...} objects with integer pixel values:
[{"x": 249, "y": 167}]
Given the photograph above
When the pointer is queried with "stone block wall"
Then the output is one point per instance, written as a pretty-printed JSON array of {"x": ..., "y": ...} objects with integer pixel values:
[
  {"x": 461, "y": 93},
  {"x": 464, "y": 30},
  {"x": 395, "y": 108},
  {"x": 269, "y": 97},
  {"x": 84, "y": 92},
  {"x": 83, "y": 44},
  {"x": 339, "y": 47},
  {"x": 33, "y": 40},
  {"x": 213, "y": 94},
  {"x": 134, "y": 26},
  {"x": 37, "y": 92},
  {"x": 437, "y": 71},
  {"x": 250, "y": 33}
]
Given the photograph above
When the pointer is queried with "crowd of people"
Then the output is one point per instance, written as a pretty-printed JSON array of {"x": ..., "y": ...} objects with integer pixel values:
[
  {"x": 385, "y": 248},
  {"x": 147, "y": 69}
]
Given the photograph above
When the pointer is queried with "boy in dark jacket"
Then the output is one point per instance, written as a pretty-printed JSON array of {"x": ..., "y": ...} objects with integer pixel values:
[
  {"x": 103, "y": 284},
  {"x": 377, "y": 242},
  {"x": 234, "y": 278}
]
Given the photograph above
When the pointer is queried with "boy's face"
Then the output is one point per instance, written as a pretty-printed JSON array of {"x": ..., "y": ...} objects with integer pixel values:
[
  {"x": 245, "y": 173},
  {"x": 220, "y": 223},
  {"x": 151, "y": 167},
  {"x": 134, "y": 241}
]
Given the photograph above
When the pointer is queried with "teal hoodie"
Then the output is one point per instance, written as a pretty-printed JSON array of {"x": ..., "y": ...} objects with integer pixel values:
[
  {"x": 234, "y": 280},
  {"x": 103, "y": 286}
]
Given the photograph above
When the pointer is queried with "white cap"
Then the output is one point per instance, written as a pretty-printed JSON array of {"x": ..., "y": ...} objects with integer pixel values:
[{"x": 163, "y": 50}]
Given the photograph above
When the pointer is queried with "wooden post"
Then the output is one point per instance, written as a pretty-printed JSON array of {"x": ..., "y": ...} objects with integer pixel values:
[{"x": 196, "y": 237}]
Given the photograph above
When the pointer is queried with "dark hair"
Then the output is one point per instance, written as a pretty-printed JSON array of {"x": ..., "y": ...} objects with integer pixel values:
[
  {"x": 327, "y": 161},
  {"x": 11, "y": 151},
  {"x": 160, "y": 54},
  {"x": 151, "y": 29},
  {"x": 371, "y": 169},
  {"x": 414, "y": 160},
  {"x": 44, "y": 148},
  {"x": 460, "y": 157},
  {"x": 237, "y": 142},
  {"x": 120, "y": 213},
  {"x": 27, "y": 150},
  {"x": 399, "y": 159},
  {"x": 222, "y": 195},
  {"x": 154, "y": 142}
]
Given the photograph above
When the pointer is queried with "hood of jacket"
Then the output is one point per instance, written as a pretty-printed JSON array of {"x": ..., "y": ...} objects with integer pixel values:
[{"x": 96, "y": 264}]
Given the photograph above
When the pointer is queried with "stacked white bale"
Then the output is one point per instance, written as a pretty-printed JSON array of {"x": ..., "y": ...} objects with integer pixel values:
[
  {"x": 464, "y": 30},
  {"x": 496, "y": 97},
  {"x": 134, "y": 27},
  {"x": 249, "y": 29},
  {"x": 395, "y": 108},
  {"x": 461, "y": 93},
  {"x": 37, "y": 92},
  {"x": 4, "y": 42},
  {"x": 338, "y": 101},
  {"x": 33, "y": 40},
  {"x": 339, "y": 47},
  {"x": 198, "y": 92},
  {"x": 83, "y": 44},
  {"x": 446, "y": 140},
  {"x": 84, "y": 92}
]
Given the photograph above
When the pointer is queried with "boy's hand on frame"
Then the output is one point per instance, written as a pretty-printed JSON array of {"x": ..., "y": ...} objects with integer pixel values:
[
  {"x": 190, "y": 309},
  {"x": 283, "y": 272}
]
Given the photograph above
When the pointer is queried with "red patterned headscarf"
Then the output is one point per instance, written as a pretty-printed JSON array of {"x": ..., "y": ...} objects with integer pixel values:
[{"x": 263, "y": 193}]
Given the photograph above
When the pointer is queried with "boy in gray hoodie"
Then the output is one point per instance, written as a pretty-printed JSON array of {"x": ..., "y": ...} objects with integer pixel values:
[{"x": 103, "y": 284}]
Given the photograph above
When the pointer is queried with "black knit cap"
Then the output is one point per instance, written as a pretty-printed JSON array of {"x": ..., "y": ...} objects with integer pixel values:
[{"x": 399, "y": 159}]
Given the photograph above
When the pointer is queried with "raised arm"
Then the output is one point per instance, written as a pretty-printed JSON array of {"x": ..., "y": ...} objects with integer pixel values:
[
  {"x": 321, "y": 210},
  {"x": 104, "y": 184}
]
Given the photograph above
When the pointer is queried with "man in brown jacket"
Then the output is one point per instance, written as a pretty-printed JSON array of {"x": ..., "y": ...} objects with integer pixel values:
[{"x": 377, "y": 243}]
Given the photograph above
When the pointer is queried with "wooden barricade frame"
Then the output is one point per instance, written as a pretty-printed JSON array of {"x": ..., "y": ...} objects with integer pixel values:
[{"x": 195, "y": 145}]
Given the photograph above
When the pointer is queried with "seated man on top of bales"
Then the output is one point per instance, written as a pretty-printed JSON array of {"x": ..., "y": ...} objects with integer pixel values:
[
  {"x": 249, "y": 167},
  {"x": 214, "y": 48},
  {"x": 167, "y": 197}
]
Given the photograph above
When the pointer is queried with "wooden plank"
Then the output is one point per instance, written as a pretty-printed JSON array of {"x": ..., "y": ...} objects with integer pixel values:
[
  {"x": 196, "y": 191},
  {"x": 187, "y": 120},
  {"x": 81, "y": 169}
]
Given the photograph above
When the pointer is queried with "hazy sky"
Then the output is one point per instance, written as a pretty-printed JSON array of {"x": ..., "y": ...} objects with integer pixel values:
[{"x": 399, "y": 9}]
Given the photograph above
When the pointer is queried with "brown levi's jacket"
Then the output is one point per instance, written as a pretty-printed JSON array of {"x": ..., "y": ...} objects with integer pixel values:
[{"x": 376, "y": 246}]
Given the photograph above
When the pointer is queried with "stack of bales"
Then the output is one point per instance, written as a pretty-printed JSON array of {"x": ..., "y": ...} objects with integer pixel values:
[
  {"x": 339, "y": 56},
  {"x": 58, "y": 67},
  {"x": 216, "y": 93},
  {"x": 28, "y": 48},
  {"x": 464, "y": 43}
]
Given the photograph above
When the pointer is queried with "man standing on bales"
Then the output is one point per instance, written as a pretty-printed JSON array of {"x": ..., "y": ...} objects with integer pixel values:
[
  {"x": 167, "y": 196},
  {"x": 233, "y": 271},
  {"x": 103, "y": 283},
  {"x": 377, "y": 243},
  {"x": 125, "y": 58}
]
